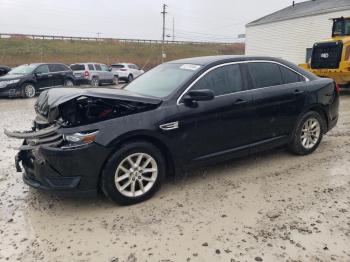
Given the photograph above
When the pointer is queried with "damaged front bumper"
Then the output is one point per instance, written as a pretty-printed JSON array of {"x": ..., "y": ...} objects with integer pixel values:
[{"x": 63, "y": 170}]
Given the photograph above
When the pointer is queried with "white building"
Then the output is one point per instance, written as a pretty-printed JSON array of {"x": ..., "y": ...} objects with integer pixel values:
[{"x": 288, "y": 33}]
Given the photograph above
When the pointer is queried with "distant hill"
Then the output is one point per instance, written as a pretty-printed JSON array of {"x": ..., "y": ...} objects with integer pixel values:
[{"x": 15, "y": 51}]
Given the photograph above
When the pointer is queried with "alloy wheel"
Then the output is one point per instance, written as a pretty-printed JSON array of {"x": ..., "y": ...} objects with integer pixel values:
[
  {"x": 136, "y": 175},
  {"x": 310, "y": 133},
  {"x": 115, "y": 80},
  {"x": 69, "y": 83},
  {"x": 94, "y": 82},
  {"x": 29, "y": 91}
]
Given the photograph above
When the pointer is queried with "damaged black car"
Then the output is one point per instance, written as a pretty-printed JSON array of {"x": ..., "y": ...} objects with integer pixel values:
[{"x": 181, "y": 114}]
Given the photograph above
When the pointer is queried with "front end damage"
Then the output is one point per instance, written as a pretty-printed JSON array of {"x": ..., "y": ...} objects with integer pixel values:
[{"x": 70, "y": 163}]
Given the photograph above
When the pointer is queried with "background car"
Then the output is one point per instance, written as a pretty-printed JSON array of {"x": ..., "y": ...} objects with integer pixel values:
[
  {"x": 93, "y": 74},
  {"x": 30, "y": 79},
  {"x": 126, "y": 71},
  {"x": 4, "y": 70}
]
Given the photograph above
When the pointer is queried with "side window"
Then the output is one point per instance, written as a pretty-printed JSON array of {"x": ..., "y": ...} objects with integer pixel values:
[
  {"x": 43, "y": 69},
  {"x": 104, "y": 68},
  {"x": 265, "y": 74},
  {"x": 223, "y": 80},
  {"x": 57, "y": 68},
  {"x": 63, "y": 68},
  {"x": 91, "y": 67},
  {"x": 290, "y": 76},
  {"x": 98, "y": 67}
]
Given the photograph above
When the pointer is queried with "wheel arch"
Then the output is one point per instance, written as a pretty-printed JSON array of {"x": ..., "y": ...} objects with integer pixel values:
[
  {"x": 323, "y": 113},
  {"x": 29, "y": 82},
  {"x": 170, "y": 165}
]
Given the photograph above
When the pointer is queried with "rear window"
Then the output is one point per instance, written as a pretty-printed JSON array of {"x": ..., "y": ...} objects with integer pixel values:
[
  {"x": 290, "y": 76},
  {"x": 117, "y": 66},
  {"x": 265, "y": 74},
  {"x": 91, "y": 67},
  {"x": 78, "y": 67}
]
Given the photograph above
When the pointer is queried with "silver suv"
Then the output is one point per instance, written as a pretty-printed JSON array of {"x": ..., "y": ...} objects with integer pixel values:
[{"x": 94, "y": 74}]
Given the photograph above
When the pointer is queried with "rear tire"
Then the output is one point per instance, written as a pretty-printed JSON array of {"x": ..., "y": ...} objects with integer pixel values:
[
  {"x": 130, "y": 78},
  {"x": 133, "y": 173},
  {"x": 308, "y": 134},
  {"x": 28, "y": 90},
  {"x": 95, "y": 82},
  {"x": 68, "y": 83}
]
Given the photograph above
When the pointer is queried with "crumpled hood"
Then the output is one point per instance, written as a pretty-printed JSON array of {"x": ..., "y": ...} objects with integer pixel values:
[
  {"x": 54, "y": 102},
  {"x": 52, "y": 98}
]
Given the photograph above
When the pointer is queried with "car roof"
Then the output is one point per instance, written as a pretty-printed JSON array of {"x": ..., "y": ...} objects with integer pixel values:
[{"x": 207, "y": 60}]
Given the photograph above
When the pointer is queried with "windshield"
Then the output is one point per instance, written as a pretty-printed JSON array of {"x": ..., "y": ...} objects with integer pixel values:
[
  {"x": 162, "y": 80},
  {"x": 22, "y": 70}
]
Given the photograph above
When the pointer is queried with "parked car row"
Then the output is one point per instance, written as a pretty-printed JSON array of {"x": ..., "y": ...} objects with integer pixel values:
[{"x": 30, "y": 79}]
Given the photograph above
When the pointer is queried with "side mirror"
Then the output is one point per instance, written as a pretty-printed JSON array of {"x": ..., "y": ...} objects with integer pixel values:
[
  {"x": 198, "y": 95},
  {"x": 110, "y": 69}
]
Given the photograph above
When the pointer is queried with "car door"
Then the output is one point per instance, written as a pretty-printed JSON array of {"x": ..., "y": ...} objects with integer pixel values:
[
  {"x": 137, "y": 71},
  {"x": 107, "y": 75},
  {"x": 278, "y": 98},
  {"x": 99, "y": 72},
  {"x": 43, "y": 77},
  {"x": 57, "y": 75},
  {"x": 219, "y": 127}
]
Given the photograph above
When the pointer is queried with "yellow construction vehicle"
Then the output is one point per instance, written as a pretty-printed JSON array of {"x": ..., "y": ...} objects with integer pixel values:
[{"x": 332, "y": 58}]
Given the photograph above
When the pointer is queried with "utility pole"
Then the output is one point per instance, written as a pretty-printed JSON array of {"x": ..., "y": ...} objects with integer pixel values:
[
  {"x": 164, "y": 12},
  {"x": 173, "y": 29}
]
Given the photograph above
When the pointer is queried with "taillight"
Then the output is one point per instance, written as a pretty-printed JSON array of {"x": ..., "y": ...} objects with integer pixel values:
[
  {"x": 337, "y": 88},
  {"x": 86, "y": 73}
]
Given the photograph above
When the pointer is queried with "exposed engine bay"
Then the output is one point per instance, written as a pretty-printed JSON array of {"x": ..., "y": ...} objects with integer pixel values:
[{"x": 72, "y": 107}]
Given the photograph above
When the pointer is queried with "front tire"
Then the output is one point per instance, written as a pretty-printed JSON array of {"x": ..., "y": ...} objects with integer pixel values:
[
  {"x": 115, "y": 80},
  {"x": 68, "y": 83},
  {"x": 28, "y": 90},
  {"x": 133, "y": 173},
  {"x": 308, "y": 134}
]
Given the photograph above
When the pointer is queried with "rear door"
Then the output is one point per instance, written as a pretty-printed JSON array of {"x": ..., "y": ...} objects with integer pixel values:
[
  {"x": 99, "y": 72},
  {"x": 278, "y": 99},
  {"x": 58, "y": 73},
  {"x": 107, "y": 75}
]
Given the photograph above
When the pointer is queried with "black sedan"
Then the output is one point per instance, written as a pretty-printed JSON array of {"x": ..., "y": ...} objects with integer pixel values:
[
  {"x": 179, "y": 115},
  {"x": 28, "y": 80}
]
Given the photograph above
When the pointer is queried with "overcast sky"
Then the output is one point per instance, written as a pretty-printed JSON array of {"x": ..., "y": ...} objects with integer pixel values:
[{"x": 220, "y": 20}]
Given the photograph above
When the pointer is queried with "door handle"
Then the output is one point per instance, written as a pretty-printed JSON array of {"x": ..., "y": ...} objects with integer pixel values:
[
  {"x": 298, "y": 92},
  {"x": 49, "y": 75},
  {"x": 240, "y": 101}
]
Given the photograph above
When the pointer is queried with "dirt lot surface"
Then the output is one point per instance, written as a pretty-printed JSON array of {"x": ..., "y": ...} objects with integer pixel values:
[{"x": 269, "y": 207}]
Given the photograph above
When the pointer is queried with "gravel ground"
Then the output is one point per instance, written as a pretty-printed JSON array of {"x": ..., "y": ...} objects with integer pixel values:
[{"x": 268, "y": 207}]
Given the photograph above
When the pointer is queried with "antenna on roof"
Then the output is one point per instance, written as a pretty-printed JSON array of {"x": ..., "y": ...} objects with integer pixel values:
[{"x": 293, "y": 3}]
